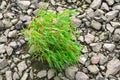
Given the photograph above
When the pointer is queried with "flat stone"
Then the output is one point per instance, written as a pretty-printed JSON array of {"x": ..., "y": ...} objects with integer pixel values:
[
  {"x": 81, "y": 76},
  {"x": 23, "y": 4},
  {"x": 110, "y": 28},
  {"x": 89, "y": 38},
  {"x": 9, "y": 50},
  {"x": 76, "y": 22},
  {"x": 113, "y": 67},
  {"x": 96, "y": 46},
  {"x": 1, "y": 77},
  {"x": 12, "y": 33},
  {"x": 22, "y": 66},
  {"x": 93, "y": 69},
  {"x": 2, "y": 48},
  {"x": 7, "y": 23},
  {"x": 3, "y": 4},
  {"x": 42, "y": 74},
  {"x": 3, "y": 64},
  {"x": 70, "y": 72},
  {"x": 1, "y": 15},
  {"x": 2, "y": 25},
  {"x": 96, "y": 4},
  {"x": 8, "y": 75},
  {"x": 13, "y": 44},
  {"x": 43, "y": 4},
  {"x": 3, "y": 39},
  {"x": 111, "y": 15},
  {"x": 109, "y": 46}
]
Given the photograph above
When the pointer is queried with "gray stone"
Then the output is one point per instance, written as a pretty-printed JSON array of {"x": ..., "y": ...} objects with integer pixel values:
[
  {"x": 99, "y": 13},
  {"x": 1, "y": 15},
  {"x": 22, "y": 66},
  {"x": 24, "y": 4},
  {"x": 1, "y": 77},
  {"x": 113, "y": 67},
  {"x": 16, "y": 76},
  {"x": 85, "y": 50},
  {"x": 70, "y": 72},
  {"x": 3, "y": 39},
  {"x": 103, "y": 59},
  {"x": 9, "y": 15},
  {"x": 2, "y": 48},
  {"x": 76, "y": 22},
  {"x": 25, "y": 76},
  {"x": 111, "y": 15},
  {"x": 42, "y": 74},
  {"x": 96, "y": 46},
  {"x": 96, "y": 4},
  {"x": 57, "y": 78},
  {"x": 95, "y": 59},
  {"x": 9, "y": 50},
  {"x": 116, "y": 7},
  {"x": 81, "y": 76},
  {"x": 103, "y": 36},
  {"x": 99, "y": 77},
  {"x": 88, "y": 1},
  {"x": 12, "y": 33},
  {"x": 13, "y": 44},
  {"x": 52, "y": 2},
  {"x": 29, "y": 11},
  {"x": 82, "y": 59},
  {"x": 43, "y": 5},
  {"x": 7, "y": 23},
  {"x": 104, "y": 6},
  {"x": 19, "y": 25},
  {"x": 3, "y": 4},
  {"x": 93, "y": 69},
  {"x": 110, "y": 2},
  {"x": 51, "y": 73},
  {"x": 109, "y": 46},
  {"x": 89, "y": 38},
  {"x": 96, "y": 25},
  {"x": 3, "y": 64},
  {"x": 8, "y": 75},
  {"x": 2, "y": 25},
  {"x": 90, "y": 13},
  {"x": 109, "y": 28},
  {"x": 115, "y": 24}
]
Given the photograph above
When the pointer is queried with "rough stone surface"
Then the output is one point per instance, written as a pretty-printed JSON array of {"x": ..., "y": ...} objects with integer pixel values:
[
  {"x": 96, "y": 25},
  {"x": 22, "y": 66},
  {"x": 109, "y": 46},
  {"x": 2, "y": 48},
  {"x": 95, "y": 59},
  {"x": 8, "y": 75},
  {"x": 89, "y": 38},
  {"x": 96, "y": 4},
  {"x": 81, "y": 76},
  {"x": 93, "y": 69},
  {"x": 42, "y": 74}
]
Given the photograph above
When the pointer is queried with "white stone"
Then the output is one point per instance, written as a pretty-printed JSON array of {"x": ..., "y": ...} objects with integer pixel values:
[
  {"x": 110, "y": 2},
  {"x": 25, "y": 76},
  {"x": 96, "y": 25},
  {"x": 104, "y": 6},
  {"x": 83, "y": 59},
  {"x": 96, "y": 4},
  {"x": 24, "y": 4},
  {"x": 93, "y": 69},
  {"x": 109, "y": 46},
  {"x": 2, "y": 48},
  {"x": 42, "y": 74},
  {"x": 51, "y": 73},
  {"x": 89, "y": 38},
  {"x": 22, "y": 66},
  {"x": 115, "y": 24},
  {"x": 8, "y": 75},
  {"x": 96, "y": 46},
  {"x": 81, "y": 76},
  {"x": 9, "y": 50}
]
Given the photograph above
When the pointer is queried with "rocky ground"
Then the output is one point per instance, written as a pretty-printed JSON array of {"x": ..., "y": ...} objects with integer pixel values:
[{"x": 98, "y": 24}]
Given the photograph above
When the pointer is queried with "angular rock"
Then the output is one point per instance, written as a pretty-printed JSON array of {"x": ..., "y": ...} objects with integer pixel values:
[
  {"x": 76, "y": 22},
  {"x": 110, "y": 28},
  {"x": 9, "y": 50},
  {"x": 113, "y": 67},
  {"x": 2, "y": 48},
  {"x": 1, "y": 77},
  {"x": 43, "y": 5},
  {"x": 96, "y": 25},
  {"x": 85, "y": 50},
  {"x": 110, "y": 2},
  {"x": 12, "y": 33},
  {"x": 83, "y": 58},
  {"x": 1, "y": 15},
  {"x": 3, "y": 64},
  {"x": 2, "y": 25},
  {"x": 115, "y": 24},
  {"x": 13, "y": 44},
  {"x": 15, "y": 76},
  {"x": 22, "y": 66},
  {"x": 116, "y": 7},
  {"x": 111, "y": 15},
  {"x": 25, "y": 76},
  {"x": 8, "y": 75},
  {"x": 95, "y": 59},
  {"x": 96, "y": 4},
  {"x": 89, "y": 38},
  {"x": 23, "y": 4},
  {"x": 104, "y": 6},
  {"x": 93, "y": 69},
  {"x": 3, "y": 4},
  {"x": 90, "y": 13},
  {"x": 103, "y": 59},
  {"x": 100, "y": 77},
  {"x": 42, "y": 74},
  {"x": 81, "y": 76},
  {"x": 3, "y": 39},
  {"x": 7, "y": 23},
  {"x": 51, "y": 73},
  {"x": 109, "y": 46},
  {"x": 70, "y": 72},
  {"x": 96, "y": 46}
]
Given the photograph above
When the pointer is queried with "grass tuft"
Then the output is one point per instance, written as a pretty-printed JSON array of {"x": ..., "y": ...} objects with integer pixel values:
[{"x": 51, "y": 34}]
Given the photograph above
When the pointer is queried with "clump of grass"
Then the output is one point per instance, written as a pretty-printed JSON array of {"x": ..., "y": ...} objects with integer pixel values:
[{"x": 51, "y": 34}]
